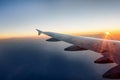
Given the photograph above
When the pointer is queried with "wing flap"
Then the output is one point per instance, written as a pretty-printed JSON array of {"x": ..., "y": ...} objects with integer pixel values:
[
  {"x": 52, "y": 40},
  {"x": 74, "y": 48},
  {"x": 113, "y": 73},
  {"x": 103, "y": 60}
]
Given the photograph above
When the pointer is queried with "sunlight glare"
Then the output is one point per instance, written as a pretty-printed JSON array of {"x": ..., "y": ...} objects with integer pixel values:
[{"x": 107, "y": 33}]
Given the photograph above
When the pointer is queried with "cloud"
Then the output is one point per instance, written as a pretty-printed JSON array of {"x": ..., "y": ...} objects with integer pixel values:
[{"x": 34, "y": 59}]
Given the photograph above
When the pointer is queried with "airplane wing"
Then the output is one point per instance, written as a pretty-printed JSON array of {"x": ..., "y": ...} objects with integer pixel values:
[{"x": 108, "y": 48}]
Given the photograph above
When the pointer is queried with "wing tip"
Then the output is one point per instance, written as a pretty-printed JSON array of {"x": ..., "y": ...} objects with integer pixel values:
[{"x": 39, "y": 31}]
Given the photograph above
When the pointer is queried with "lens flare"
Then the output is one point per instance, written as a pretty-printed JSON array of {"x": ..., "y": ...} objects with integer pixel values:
[
  {"x": 106, "y": 44},
  {"x": 109, "y": 45}
]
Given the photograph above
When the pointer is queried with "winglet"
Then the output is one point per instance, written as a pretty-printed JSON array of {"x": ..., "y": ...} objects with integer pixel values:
[{"x": 39, "y": 32}]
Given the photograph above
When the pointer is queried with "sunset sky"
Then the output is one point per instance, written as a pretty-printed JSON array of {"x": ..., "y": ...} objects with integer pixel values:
[{"x": 22, "y": 17}]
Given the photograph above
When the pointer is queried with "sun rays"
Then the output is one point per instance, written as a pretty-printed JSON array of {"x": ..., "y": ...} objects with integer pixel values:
[{"x": 107, "y": 44}]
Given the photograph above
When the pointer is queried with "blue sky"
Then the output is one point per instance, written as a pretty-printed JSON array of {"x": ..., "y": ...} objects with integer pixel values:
[{"x": 21, "y": 17}]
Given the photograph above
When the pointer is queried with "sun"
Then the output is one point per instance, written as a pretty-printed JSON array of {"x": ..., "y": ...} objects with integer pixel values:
[{"x": 107, "y": 33}]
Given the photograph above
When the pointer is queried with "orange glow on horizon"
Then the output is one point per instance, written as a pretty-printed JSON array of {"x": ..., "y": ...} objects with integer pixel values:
[
  {"x": 22, "y": 36},
  {"x": 114, "y": 34}
]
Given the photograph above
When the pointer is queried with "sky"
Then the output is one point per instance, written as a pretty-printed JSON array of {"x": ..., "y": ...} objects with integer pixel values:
[{"x": 22, "y": 17}]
